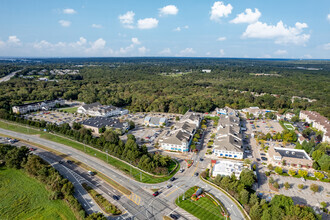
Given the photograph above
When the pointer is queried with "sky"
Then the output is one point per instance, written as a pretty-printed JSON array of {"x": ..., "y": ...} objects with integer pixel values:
[{"x": 183, "y": 28}]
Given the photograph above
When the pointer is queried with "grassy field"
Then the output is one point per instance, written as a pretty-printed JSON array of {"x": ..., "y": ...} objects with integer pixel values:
[
  {"x": 69, "y": 110},
  {"x": 23, "y": 197},
  {"x": 287, "y": 125},
  {"x": 204, "y": 208},
  {"x": 135, "y": 173}
]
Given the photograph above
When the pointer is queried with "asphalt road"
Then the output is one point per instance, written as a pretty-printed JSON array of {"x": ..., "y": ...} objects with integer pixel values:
[
  {"x": 9, "y": 76},
  {"x": 141, "y": 204}
]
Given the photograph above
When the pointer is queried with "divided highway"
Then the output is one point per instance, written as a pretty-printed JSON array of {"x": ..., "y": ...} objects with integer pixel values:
[{"x": 140, "y": 204}]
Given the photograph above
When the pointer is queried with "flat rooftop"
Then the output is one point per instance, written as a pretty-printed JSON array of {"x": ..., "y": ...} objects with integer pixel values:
[{"x": 293, "y": 153}]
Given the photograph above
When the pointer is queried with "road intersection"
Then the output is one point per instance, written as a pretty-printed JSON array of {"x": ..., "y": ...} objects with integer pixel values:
[{"x": 141, "y": 204}]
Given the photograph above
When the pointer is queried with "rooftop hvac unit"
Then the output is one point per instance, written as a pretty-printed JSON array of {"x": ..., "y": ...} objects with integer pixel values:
[
  {"x": 287, "y": 152},
  {"x": 293, "y": 153}
]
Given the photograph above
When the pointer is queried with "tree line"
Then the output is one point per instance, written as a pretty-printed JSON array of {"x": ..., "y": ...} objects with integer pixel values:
[
  {"x": 34, "y": 166},
  {"x": 279, "y": 208},
  {"x": 140, "y": 86},
  {"x": 108, "y": 142}
]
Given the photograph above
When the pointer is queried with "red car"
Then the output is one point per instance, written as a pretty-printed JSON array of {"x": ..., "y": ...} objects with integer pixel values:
[
  {"x": 156, "y": 193},
  {"x": 32, "y": 149}
]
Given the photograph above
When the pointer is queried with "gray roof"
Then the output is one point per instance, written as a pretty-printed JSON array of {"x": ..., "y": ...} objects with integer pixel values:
[
  {"x": 92, "y": 105},
  {"x": 228, "y": 143},
  {"x": 177, "y": 137},
  {"x": 155, "y": 120},
  {"x": 99, "y": 122},
  {"x": 292, "y": 153},
  {"x": 190, "y": 115}
]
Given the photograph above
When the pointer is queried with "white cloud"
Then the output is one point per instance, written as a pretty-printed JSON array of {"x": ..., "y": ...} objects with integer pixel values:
[
  {"x": 180, "y": 28},
  {"x": 248, "y": 17},
  {"x": 42, "y": 45},
  {"x": 98, "y": 44},
  {"x": 2, "y": 44},
  {"x": 64, "y": 23},
  {"x": 168, "y": 10},
  {"x": 219, "y": 10},
  {"x": 222, "y": 52},
  {"x": 147, "y": 23},
  {"x": 142, "y": 50},
  {"x": 328, "y": 17},
  {"x": 307, "y": 56},
  {"x": 127, "y": 19},
  {"x": 166, "y": 51},
  {"x": 14, "y": 40},
  {"x": 221, "y": 39},
  {"x": 187, "y": 52},
  {"x": 69, "y": 11},
  {"x": 135, "y": 41},
  {"x": 82, "y": 41},
  {"x": 177, "y": 29},
  {"x": 326, "y": 46},
  {"x": 96, "y": 26},
  {"x": 279, "y": 32},
  {"x": 281, "y": 52}
]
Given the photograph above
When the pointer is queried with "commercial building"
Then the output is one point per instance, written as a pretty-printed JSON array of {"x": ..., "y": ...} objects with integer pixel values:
[
  {"x": 37, "y": 106},
  {"x": 96, "y": 123},
  {"x": 228, "y": 139},
  {"x": 227, "y": 168},
  {"x": 179, "y": 139},
  {"x": 155, "y": 121},
  {"x": 317, "y": 121},
  {"x": 256, "y": 111},
  {"x": 290, "y": 157},
  {"x": 96, "y": 109},
  {"x": 226, "y": 111}
]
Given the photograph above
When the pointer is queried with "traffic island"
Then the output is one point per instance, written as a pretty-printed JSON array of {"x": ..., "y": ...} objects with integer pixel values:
[
  {"x": 200, "y": 204},
  {"x": 104, "y": 204}
]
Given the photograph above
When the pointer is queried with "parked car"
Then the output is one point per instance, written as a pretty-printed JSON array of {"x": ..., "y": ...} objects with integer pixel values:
[
  {"x": 60, "y": 162},
  {"x": 156, "y": 193},
  {"x": 172, "y": 179},
  {"x": 69, "y": 161},
  {"x": 115, "y": 197},
  {"x": 169, "y": 186},
  {"x": 32, "y": 149},
  {"x": 91, "y": 173},
  {"x": 196, "y": 174},
  {"x": 201, "y": 159},
  {"x": 181, "y": 170},
  {"x": 174, "y": 216}
]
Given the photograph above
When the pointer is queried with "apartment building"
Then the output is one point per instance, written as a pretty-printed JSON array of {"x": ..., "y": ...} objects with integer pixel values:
[
  {"x": 37, "y": 106},
  {"x": 180, "y": 138},
  {"x": 98, "y": 110},
  {"x": 317, "y": 121}
]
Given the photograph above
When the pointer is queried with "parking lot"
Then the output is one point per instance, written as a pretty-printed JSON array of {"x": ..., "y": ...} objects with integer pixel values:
[
  {"x": 265, "y": 126},
  {"x": 306, "y": 195},
  {"x": 56, "y": 117}
]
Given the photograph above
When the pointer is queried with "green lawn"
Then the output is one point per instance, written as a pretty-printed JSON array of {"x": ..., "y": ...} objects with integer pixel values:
[
  {"x": 69, "y": 110},
  {"x": 204, "y": 208},
  {"x": 23, "y": 197},
  {"x": 146, "y": 178},
  {"x": 287, "y": 126}
]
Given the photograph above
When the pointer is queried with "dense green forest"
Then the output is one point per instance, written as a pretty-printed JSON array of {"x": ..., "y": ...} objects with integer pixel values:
[{"x": 160, "y": 84}]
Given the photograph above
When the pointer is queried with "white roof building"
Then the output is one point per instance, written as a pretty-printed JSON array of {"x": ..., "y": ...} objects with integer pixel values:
[{"x": 227, "y": 167}]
